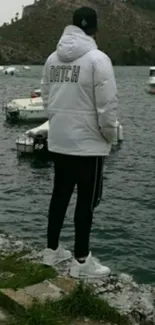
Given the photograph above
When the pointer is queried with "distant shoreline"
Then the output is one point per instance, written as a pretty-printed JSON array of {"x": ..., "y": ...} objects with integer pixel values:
[{"x": 41, "y": 64}]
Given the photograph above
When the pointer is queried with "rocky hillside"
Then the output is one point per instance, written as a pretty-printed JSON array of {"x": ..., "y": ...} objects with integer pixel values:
[{"x": 127, "y": 33}]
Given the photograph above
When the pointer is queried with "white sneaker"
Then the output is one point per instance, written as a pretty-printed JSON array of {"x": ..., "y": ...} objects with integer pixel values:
[
  {"x": 53, "y": 257},
  {"x": 90, "y": 269}
]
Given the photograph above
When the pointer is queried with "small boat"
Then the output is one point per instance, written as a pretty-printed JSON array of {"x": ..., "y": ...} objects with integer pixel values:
[
  {"x": 11, "y": 71},
  {"x": 27, "y": 68},
  {"x": 25, "y": 109},
  {"x": 151, "y": 82},
  {"x": 35, "y": 140}
]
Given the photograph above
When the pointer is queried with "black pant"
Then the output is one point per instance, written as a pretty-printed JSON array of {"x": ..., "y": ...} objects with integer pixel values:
[{"x": 87, "y": 174}]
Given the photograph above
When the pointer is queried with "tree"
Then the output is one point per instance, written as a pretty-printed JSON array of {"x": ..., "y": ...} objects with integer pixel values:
[
  {"x": 17, "y": 16},
  {"x": 4, "y": 25}
]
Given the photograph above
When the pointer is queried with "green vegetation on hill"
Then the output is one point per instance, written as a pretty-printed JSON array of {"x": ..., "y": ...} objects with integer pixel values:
[
  {"x": 127, "y": 32},
  {"x": 147, "y": 4}
]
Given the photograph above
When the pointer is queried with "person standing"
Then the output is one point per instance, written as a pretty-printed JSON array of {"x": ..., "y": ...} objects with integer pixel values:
[{"x": 80, "y": 99}]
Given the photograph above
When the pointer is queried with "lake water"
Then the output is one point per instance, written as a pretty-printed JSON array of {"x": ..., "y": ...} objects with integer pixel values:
[{"x": 123, "y": 233}]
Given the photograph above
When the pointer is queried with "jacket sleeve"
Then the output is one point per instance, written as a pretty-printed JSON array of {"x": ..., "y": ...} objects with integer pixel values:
[
  {"x": 45, "y": 84},
  {"x": 106, "y": 97}
]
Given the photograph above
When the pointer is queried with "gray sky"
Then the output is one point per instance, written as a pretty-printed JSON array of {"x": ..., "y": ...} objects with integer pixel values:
[{"x": 8, "y": 8}]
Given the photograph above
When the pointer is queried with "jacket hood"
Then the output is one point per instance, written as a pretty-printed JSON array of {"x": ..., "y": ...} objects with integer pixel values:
[{"x": 74, "y": 43}]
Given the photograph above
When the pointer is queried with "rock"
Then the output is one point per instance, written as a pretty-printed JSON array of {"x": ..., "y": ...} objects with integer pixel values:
[
  {"x": 135, "y": 285},
  {"x": 33, "y": 255},
  {"x": 16, "y": 298},
  {"x": 63, "y": 268},
  {"x": 100, "y": 290},
  {"x": 125, "y": 278},
  {"x": 3, "y": 235},
  {"x": 99, "y": 283},
  {"x": 113, "y": 279},
  {"x": 64, "y": 283},
  {"x": 11, "y": 237},
  {"x": 136, "y": 304},
  {"x": 145, "y": 305},
  {"x": 9, "y": 245},
  {"x": 44, "y": 290},
  {"x": 86, "y": 320},
  {"x": 96, "y": 282},
  {"x": 19, "y": 245},
  {"x": 3, "y": 316},
  {"x": 110, "y": 287},
  {"x": 118, "y": 286},
  {"x": 4, "y": 243},
  {"x": 25, "y": 297}
]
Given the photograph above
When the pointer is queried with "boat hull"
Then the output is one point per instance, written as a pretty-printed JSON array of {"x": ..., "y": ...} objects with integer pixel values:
[
  {"x": 32, "y": 147},
  {"x": 150, "y": 89},
  {"x": 25, "y": 145},
  {"x": 25, "y": 115},
  {"x": 25, "y": 110}
]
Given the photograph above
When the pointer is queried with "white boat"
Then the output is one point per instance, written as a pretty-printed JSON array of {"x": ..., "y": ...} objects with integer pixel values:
[
  {"x": 151, "y": 82},
  {"x": 27, "y": 68},
  {"x": 11, "y": 71},
  {"x": 1, "y": 68},
  {"x": 25, "y": 109},
  {"x": 35, "y": 140}
]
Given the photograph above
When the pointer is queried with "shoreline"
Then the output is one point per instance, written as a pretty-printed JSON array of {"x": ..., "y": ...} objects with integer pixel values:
[
  {"x": 120, "y": 291},
  {"x": 41, "y": 63}
]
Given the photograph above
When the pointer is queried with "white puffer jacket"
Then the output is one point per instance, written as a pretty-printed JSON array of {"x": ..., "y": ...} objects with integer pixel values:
[{"x": 79, "y": 96}]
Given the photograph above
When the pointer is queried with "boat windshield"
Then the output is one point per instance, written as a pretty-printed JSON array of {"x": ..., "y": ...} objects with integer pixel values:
[{"x": 152, "y": 73}]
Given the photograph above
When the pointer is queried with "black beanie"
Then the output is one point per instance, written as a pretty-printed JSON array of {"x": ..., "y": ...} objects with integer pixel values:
[{"x": 86, "y": 19}]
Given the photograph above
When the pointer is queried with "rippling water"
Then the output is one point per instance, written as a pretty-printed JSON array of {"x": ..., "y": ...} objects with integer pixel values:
[{"x": 124, "y": 224}]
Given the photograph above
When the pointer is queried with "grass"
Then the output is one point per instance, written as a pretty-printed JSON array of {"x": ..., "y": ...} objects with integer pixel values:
[
  {"x": 80, "y": 303},
  {"x": 24, "y": 273}
]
